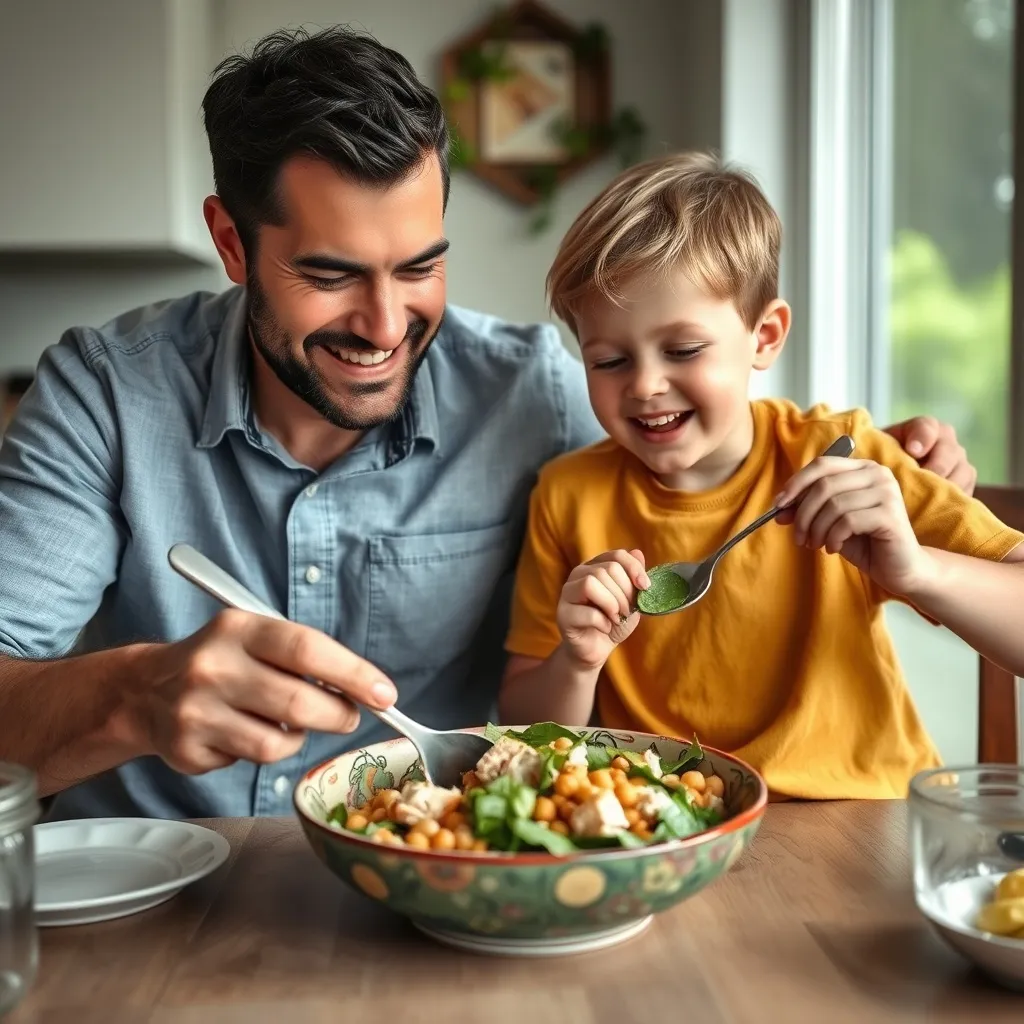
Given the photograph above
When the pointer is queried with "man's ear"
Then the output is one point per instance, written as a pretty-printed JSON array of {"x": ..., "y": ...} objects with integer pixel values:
[
  {"x": 772, "y": 333},
  {"x": 226, "y": 238}
]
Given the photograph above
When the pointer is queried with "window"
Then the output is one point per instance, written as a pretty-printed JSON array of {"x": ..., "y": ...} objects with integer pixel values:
[
  {"x": 911, "y": 210},
  {"x": 944, "y": 344}
]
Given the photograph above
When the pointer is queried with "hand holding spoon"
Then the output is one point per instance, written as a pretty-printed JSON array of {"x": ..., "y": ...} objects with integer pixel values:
[
  {"x": 677, "y": 585},
  {"x": 445, "y": 755}
]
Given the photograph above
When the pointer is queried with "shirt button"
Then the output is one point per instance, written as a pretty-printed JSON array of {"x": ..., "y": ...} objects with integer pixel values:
[
  {"x": 311, "y": 490},
  {"x": 281, "y": 785},
  {"x": 312, "y": 574}
]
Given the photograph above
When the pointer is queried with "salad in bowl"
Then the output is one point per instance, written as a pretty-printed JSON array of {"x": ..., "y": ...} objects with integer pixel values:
[{"x": 558, "y": 840}]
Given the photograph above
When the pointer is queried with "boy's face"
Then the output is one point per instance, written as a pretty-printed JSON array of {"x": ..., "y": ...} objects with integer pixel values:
[{"x": 673, "y": 351}]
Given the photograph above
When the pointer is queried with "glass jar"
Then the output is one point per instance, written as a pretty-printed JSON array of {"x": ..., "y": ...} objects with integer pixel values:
[
  {"x": 19, "y": 949},
  {"x": 966, "y": 834}
]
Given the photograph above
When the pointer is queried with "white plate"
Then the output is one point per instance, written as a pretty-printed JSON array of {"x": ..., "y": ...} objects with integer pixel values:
[
  {"x": 567, "y": 946},
  {"x": 96, "y": 869}
]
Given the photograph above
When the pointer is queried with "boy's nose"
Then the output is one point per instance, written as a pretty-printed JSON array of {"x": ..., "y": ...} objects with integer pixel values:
[{"x": 647, "y": 384}]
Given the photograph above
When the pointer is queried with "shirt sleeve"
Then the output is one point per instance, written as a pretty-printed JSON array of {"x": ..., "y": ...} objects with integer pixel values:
[
  {"x": 540, "y": 575},
  {"x": 61, "y": 528},
  {"x": 943, "y": 516},
  {"x": 581, "y": 427}
]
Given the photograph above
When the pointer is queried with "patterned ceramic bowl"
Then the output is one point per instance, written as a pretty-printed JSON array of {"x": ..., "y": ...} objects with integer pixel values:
[{"x": 526, "y": 904}]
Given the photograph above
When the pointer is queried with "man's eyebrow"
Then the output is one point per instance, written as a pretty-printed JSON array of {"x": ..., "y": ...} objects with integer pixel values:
[{"x": 338, "y": 265}]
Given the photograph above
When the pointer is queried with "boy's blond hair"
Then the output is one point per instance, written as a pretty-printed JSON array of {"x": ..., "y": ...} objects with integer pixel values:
[{"x": 686, "y": 211}]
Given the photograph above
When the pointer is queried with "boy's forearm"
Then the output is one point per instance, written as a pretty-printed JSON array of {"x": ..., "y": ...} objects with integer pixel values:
[
  {"x": 981, "y": 601},
  {"x": 556, "y": 690}
]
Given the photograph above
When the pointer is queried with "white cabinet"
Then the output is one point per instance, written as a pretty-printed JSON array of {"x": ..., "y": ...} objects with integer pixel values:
[{"x": 102, "y": 148}]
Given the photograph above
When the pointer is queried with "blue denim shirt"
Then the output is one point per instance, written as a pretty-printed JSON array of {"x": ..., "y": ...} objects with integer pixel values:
[{"x": 141, "y": 434}]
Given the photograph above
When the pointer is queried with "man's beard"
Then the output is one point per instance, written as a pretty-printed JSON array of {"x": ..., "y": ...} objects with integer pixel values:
[{"x": 305, "y": 380}]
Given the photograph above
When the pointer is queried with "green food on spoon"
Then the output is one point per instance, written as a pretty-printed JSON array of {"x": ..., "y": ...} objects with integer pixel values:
[{"x": 666, "y": 592}]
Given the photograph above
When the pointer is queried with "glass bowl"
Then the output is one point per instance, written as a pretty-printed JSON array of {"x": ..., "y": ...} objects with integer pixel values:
[{"x": 966, "y": 834}]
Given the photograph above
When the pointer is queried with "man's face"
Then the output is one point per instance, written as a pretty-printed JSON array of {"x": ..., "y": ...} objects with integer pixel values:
[{"x": 346, "y": 296}]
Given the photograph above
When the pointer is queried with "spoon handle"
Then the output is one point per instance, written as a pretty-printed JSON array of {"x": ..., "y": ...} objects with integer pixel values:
[
  {"x": 842, "y": 448},
  {"x": 209, "y": 576}
]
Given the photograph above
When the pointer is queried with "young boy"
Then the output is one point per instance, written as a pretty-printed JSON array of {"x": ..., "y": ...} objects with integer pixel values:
[{"x": 669, "y": 280}]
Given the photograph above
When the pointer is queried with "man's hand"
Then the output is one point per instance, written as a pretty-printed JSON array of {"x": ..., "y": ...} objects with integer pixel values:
[
  {"x": 222, "y": 694},
  {"x": 935, "y": 446}
]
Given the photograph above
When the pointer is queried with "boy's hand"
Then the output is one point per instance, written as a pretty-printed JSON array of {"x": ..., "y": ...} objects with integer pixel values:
[
  {"x": 595, "y": 612},
  {"x": 854, "y": 507}
]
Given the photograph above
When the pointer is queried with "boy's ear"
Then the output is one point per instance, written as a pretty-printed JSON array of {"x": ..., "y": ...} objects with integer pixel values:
[{"x": 772, "y": 333}]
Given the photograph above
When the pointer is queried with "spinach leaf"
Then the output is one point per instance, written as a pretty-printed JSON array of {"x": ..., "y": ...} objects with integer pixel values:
[
  {"x": 496, "y": 807},
  {"x": 552, "y": 762},
  {"x": 543, "y": 733},
  {"x": 493, "y": 732},
  {"x": 379, "y": 826},
  {"x": 534, "y": 834},
  {"x": 598, "y": 757},
  {"x": 683, "y": 818},
  {"x": 690, "y": 758},
  {"x": 338, "y": 814}
]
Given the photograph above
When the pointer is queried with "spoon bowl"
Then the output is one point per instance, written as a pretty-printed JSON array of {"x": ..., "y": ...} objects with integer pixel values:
[
  {"x": 444, "y": 754},
  {"x": 688, "y": 582}
]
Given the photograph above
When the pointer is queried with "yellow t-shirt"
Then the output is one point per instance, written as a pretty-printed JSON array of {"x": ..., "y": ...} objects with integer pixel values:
[{"x": 787, "y": 661}]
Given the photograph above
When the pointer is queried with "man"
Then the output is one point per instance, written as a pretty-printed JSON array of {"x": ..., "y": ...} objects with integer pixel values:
[{"x": 353, "y": 450}]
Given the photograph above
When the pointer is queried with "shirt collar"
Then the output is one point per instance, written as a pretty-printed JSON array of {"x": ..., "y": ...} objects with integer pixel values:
[{"x": 228, "y": 405}]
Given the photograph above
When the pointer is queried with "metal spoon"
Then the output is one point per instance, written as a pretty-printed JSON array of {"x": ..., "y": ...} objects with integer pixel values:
[
  {"x": 445, "y": 755},
  {"x": 697, "y": 575}
]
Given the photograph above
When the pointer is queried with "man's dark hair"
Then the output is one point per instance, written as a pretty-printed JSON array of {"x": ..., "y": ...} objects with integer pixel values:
[{"x": 338, "y": 95}]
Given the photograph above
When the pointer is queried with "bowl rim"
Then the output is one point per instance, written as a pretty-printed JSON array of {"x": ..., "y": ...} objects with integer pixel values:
[
  {"x": 542, "y": 857},
  {"x": 927, "y": 798}
]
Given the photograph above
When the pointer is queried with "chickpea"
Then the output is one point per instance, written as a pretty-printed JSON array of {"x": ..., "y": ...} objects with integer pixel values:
[
  {"x": 632, "y": 816},
  {"x": 357, "y": 822},
  {"x": 379, "y": 814},
  {"x": 562, "y": 744},
  {"x": 567, "y": 785},
  {"x": 417, "y": 840},
  {"x": 544, "y": 809},
  {"x": 566, "y": 810},
  {"x": 620, "y": 763},
  {"x": 427, "y": 827},
  {"x": 560, "y": 827},
  {"x": 619, "y": 776},
  {"x": 601, "y": 779},
  {"x": 382, "y": 836},
  {"x": 386, "y": 798},
  {"x": 715, "y": 785},
  {"x": 694, "y": 780},
  {"x": 444, "y": 839},
  {"x": 470, "y": 781},
  {"x": 670, "y": 780},
  {"x": 479, "y": 845},
  {"x": 585, "y": 791},
  {"x": 639, "y": 828},
  {"x": 454, "y": 820},
  {"x": 559, "y": 801},
  {"x": 464, "y": 838},
  {"x": 578, "y": 771},
  {"x": 626, "y": 794}
]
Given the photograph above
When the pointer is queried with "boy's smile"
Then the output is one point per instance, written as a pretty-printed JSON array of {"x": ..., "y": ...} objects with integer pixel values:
[{"x": 668, "y": 367}]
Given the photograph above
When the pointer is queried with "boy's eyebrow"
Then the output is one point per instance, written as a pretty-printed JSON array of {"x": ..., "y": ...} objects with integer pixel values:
[{"x": 339, "y": 265}]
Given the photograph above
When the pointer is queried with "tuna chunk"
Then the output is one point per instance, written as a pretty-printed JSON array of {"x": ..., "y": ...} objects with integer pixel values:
[
  {"x": 601, "y": 815},
  {"x": 419, "y": 800},
  {"x": 510, "y": 757}
]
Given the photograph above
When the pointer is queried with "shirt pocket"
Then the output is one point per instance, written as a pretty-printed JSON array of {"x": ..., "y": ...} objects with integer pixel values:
[{"x": 429, "y": 595}]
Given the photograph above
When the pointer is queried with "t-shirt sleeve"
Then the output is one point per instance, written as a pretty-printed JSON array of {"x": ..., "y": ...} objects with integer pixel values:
[
  {"x": 541, "y": 573},
  {"x": 942, "y": 515},
  {"x": 580, "y": 425}
]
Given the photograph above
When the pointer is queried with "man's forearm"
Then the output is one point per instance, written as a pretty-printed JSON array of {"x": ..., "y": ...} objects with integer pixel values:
[
  {"x": 982, "y": 602},
  {"x": 67, "y": 719},
  {"x": 556, "y": 690}
]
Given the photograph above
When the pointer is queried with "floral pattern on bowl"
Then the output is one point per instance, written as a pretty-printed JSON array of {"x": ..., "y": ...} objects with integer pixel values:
[{"x": 508, "y": 898}]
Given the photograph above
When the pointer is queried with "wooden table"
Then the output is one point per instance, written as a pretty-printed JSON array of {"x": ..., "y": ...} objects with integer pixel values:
[{"x": 816, "y": 923}]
